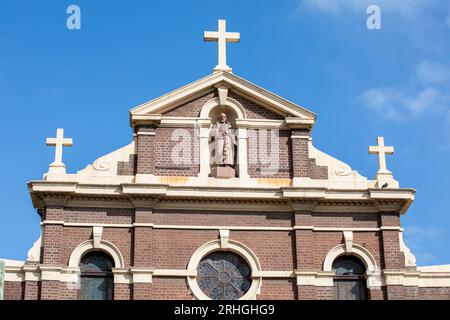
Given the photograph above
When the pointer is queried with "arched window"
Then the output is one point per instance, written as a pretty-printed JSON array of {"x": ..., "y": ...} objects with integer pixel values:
[
  {"x": 224, "y": 276},
  {"x": 96, "y": 276},
  {"x": 349, "y": 281}
]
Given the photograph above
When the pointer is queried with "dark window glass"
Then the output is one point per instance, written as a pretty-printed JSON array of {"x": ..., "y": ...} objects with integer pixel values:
[
  {"x": 96, "y": 277},
  {"x": 223, "y": 276},
  {"x": 349, "y": 281}
]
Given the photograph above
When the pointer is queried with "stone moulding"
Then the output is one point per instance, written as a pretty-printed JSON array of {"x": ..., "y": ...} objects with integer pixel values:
[{"x": 373, "y": 200}]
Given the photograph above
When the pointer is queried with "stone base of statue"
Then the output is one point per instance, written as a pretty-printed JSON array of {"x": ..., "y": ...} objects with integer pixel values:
[{"x": 224, "y": 172}]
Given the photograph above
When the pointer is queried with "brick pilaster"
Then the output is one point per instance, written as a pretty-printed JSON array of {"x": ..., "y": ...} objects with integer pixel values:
[
  {"x": 32, "y": 290},
  {"x": 142, "y": 254},
  {"x": 145, "y": 150},
  {"x": 392, "y": 257},
  {"x": 300, "y": 159},
  {"x": 52, "y": 235},
  {"x": 304, "y": 246}
]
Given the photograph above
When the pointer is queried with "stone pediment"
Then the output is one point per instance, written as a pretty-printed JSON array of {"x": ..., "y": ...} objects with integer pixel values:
[{"x": 155, "y": 110}]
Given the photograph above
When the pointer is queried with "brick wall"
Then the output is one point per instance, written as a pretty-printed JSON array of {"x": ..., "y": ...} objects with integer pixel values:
[
  {"x": 300, "y": 161},
  {"x": 191, "y": 108},
  {"x": 434, "y": 293},
  {"x": 155, "y": 153},
  {"x": 142, "y": 291},
  {"x": 280, "y": 165},
  {"x": 98, "y": 215},
  {"x": 122, "y": 291},
  {"x": 254, "y": 110},
  {"x": 127, "y": 168},
  {"x": 278, "y": 289},
  {"x": 315, "y": 293},
  {"x": 303, "y": 166},
  {"x": 32, "y": 290},
  {"x": 393, "y": 258},
  {"x": 13, "y": 291},
  {"x": 145, "y": 150},
  {"x": 176, "y": 152},
  {"x": 221, "y": 218},
  {"x": 164, "y": 288},
  {"x": 52, "y": 236},
  {"x": 50, "y": 290},
  {"x": 277, "y": 250}
]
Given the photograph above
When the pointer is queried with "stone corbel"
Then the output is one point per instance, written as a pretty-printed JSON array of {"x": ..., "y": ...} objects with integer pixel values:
[
  {"x": 348, "y": 238},
  {"x": 97, "y": 235},
  {"x": 224, "y": 237},
  {"x": 223, "y": 94}
]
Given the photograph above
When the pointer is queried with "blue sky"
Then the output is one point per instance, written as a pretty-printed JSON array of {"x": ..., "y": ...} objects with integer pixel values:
[{"x": 361, "y": 83}]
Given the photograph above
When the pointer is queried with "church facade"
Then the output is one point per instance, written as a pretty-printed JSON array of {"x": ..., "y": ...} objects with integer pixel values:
[{"x": 220, "y": 194}]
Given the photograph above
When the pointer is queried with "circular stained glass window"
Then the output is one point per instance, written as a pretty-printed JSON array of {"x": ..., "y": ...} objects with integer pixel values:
[{"x": 223, "y": 276}]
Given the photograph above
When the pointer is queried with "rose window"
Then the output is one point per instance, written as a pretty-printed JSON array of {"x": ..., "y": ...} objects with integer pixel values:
[{"x": 223, "y": 276}]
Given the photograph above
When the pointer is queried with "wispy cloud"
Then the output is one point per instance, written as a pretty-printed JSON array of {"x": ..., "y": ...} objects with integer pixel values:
[
  {"x": 419, "y": 238},
  {"x": 406, "y": 8},
  {"x": 447, "y": 20},
  {"x": 433, "y": 72},
  {"x": 430, "y": 96},
  {"x": 418, "y": 234}
]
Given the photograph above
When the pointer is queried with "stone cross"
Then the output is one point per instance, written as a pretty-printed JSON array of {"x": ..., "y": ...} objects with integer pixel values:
[
  {"x": 222, "y": 37},
  {"x": 59, "y": 142},
  {"x": 382, "y": 151}
]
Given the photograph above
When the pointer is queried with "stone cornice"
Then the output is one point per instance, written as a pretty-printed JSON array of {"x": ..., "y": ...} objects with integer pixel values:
[{"x": 275, "y": 199}]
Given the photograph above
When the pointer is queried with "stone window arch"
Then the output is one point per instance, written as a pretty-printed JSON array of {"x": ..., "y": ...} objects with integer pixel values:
[
  {"x": 372, "y": 273},
  {"x": 105, "y": 246},
  {"x": 239, "y": 258},
  {"x": 362, "y": 253}
]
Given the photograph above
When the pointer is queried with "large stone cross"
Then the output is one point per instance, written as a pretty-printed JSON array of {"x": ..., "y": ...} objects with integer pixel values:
[
  {"x": 384, "y": 178},
  {"x": 222, "y": 37},
  {"x": 382, "y": 151},
  {"x": 59, "y": 142}
]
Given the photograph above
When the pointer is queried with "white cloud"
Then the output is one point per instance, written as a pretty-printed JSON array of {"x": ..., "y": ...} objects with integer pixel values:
[
  {"x": 396, "y": 105},
  {"x": 432, "y": 72},
  {"x": 447, "y": 20},
  {"x": 431, "y": 97},
  {"x": 403, "y": 7}
]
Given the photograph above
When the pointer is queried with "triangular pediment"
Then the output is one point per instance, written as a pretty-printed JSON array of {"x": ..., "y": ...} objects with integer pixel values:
[{"x": 235, "y": 84}]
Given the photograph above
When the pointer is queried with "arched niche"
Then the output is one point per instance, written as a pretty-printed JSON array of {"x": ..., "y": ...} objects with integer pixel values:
[
  {"x": 212, "y": 108},
  {"x": 209, "y": 115}
]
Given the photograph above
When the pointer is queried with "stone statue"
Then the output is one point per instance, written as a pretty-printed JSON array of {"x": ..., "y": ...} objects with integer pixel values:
[{"x": 224, "y": 141}]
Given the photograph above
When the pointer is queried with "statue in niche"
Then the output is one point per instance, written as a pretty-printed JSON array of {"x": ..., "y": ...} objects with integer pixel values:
[{"x": 224, "y": 146}]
